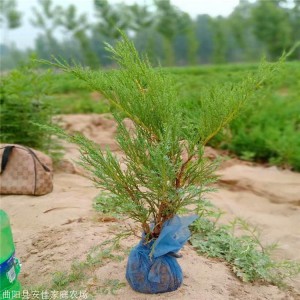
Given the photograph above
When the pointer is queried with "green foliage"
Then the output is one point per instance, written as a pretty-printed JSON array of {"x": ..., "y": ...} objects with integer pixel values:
[
  {"x": 248, "y": 258},
  {"x": 23, "y": 94},
  {"x": 159, "y": 180}
]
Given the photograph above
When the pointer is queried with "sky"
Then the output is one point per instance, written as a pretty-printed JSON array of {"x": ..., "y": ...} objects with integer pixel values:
[{"x": 24, "y": 37}]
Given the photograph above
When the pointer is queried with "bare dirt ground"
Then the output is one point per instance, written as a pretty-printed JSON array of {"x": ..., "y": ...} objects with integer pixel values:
[{"x": 52, "y": 231}]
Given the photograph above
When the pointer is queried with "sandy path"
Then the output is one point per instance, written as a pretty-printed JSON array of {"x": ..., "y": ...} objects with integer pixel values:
[{"x": 53, "y": 230}]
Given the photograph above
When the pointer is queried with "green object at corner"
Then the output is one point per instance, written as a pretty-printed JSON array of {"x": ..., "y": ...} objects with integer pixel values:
[{"x": 10, "y": 287}]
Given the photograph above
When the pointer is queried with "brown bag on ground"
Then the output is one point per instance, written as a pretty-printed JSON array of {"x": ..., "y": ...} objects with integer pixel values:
[{"x": 24, "y": 171}]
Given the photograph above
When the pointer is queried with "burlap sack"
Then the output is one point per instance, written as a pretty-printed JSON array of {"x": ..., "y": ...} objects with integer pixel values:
[{"x": 24, "y": 171}]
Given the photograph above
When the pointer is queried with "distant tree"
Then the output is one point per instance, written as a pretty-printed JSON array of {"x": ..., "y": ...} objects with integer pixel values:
[
  {"x": 241, "y": 26},
  {"x": 167, "y": 21},
  {"x": 76, "y": 26},
  {"x": 111, "y": 18},
  {"x": 142, "y": 17},
  {"x": 143, "y": 25},
  {"x": 295, "y": 23},
  {"x": 47, "y": 20},
  {"x": 186, "y": 27},
  {"x": 163, "y": 31},
  {"x": 272, "y": 26},
  {"x": 10, "y": 17},
  {"x": 9, "y": 14},
  {"x": 220, "y": 41},
  {"x": 204, "y": 34}
]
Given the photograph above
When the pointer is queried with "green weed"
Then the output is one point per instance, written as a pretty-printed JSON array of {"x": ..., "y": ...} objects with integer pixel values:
[
  {"x": 239, "y": 244},
  {"x": 110, "y": 286},
  {"x": 81, "y": 276}
]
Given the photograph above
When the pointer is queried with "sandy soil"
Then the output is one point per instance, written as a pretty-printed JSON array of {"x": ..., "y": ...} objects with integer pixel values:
[{"x": 53, "y": 230}]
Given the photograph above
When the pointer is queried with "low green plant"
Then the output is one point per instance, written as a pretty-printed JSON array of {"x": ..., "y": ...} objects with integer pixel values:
[
  {"x": 81, "y": 272},
  {"x": 23, "y": 95},
  {"x": 164, "y": 155},
  {"x": 63, "y": 279},
  {"x": 110, "y": 286},
  {"x": 239, "y": 244}
]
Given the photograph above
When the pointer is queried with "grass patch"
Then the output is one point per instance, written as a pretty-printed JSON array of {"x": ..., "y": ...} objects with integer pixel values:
[
  {"x": 80, "y": 279},
  {"x": 238, "y": 243}
]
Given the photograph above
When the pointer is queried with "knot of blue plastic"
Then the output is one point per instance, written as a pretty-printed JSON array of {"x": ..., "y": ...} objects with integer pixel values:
[{"x": 152, "y": 267}]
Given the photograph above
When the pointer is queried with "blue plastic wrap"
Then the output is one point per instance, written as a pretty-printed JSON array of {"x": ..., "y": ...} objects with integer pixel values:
[{"x": 152, "y": 268}]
